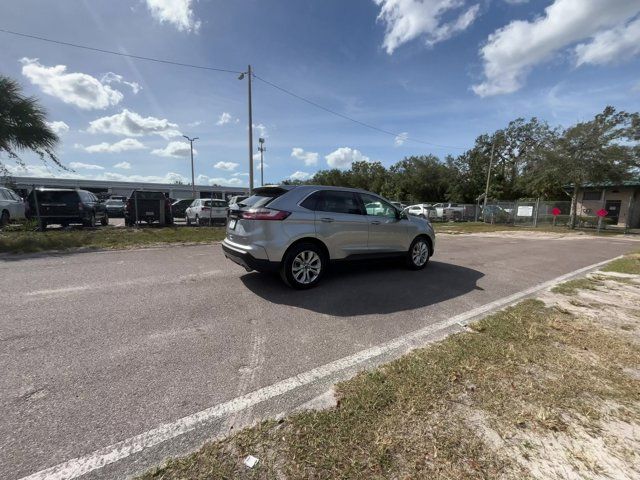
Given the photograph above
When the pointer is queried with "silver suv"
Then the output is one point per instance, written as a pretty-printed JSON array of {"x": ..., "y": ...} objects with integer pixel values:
[{"x": 297, "y": 230}]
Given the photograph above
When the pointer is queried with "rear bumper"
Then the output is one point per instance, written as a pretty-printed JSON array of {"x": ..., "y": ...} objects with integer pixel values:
[{"x": 248, "y": 261}]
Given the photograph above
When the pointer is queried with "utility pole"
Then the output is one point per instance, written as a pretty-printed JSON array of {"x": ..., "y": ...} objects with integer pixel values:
[
  {"x": 249, "y": 74},
  {"x": 193, "y": 183},
  {"x": 486, "y": 190},
  {"x": 262, "y": 149}
]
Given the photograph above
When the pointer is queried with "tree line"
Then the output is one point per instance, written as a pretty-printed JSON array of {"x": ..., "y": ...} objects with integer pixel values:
[{"x": 530, "y": 159}]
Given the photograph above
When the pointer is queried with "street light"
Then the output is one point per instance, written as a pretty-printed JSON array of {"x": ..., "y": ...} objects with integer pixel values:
[
  {"x": 261, "y": 149},
  {"x": 193, "y": 183},
  {"x": 249, "y": 74}
]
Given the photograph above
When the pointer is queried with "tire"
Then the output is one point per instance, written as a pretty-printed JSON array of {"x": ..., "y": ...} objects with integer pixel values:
[
  {"x": 303, "y": 266},
  {"x": 91, "y": 222},
  {"x": 104, "y": 221},
  {"x": 198, "y": 224},
  {"x": 42, "y": 225},
  {"x": 188, "y": 221},
  {"x": 418, "y": 254},
  {"x": 4, "y": 218}
]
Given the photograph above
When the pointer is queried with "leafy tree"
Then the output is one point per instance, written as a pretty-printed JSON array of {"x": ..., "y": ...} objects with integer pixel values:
[
  {"x": 23, "y": 125},
  {"x": 604, "y": 149}
]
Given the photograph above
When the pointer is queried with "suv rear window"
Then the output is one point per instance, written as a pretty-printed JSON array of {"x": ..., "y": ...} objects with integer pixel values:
[
  {"x": 262, "y": 197},
  {"x": 53, "y": 196}
]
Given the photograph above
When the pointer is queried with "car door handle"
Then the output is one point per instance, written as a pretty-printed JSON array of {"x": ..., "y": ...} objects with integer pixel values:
[
  {"x": 375, "y": 222},
  {"x": 326, "y": 219}
]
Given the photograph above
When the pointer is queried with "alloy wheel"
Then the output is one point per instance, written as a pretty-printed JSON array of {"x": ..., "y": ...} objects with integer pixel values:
[
  {"x": 306, "y": 267},
  {"x": 420, "y": 253}
]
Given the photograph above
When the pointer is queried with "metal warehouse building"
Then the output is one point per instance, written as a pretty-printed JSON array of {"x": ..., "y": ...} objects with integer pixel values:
[{"x": 106, "y": 187}]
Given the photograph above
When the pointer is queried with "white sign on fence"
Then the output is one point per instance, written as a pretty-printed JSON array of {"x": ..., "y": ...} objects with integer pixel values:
[{"x": 525, "y": 211}]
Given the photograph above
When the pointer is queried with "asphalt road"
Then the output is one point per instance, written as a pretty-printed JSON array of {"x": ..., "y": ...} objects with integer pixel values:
[{"x": 99, "y": 347}]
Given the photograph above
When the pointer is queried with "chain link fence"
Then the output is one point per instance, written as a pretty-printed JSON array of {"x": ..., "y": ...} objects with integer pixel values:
[{"x": 524, "y": 212}]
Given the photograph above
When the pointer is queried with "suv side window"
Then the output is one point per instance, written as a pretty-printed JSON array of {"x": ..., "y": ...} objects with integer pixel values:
[
  {"x": 311, "y": 202},
  {"x": 378, "y": 207},
  {"x": 338, "y": 202}
]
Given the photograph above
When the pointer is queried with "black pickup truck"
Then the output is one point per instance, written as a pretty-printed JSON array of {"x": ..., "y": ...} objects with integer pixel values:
[
  {"x": 148, "y": 206},
  {"x": 65, "y": 206}
]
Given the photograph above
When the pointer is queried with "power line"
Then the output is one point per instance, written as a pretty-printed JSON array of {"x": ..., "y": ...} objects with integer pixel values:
[
  {"x": 204, "y": 67},
  {"x": 121, "y": 54},
  {"x": 346, "y": 117}
]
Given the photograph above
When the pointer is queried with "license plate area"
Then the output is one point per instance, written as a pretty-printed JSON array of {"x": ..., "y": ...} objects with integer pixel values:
[
  {"x": 232, "y": 223},
  {"x": 150, "y": 213}
]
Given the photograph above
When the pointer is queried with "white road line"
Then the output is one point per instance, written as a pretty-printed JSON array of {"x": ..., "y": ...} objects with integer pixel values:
[{"x": 113, "y": 453}]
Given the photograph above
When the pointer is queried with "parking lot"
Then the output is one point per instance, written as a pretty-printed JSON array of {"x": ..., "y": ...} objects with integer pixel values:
[{"x": 101, "y": 347}]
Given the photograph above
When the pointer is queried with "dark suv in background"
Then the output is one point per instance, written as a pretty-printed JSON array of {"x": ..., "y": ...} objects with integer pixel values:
[{"x": 66, "y": 206}]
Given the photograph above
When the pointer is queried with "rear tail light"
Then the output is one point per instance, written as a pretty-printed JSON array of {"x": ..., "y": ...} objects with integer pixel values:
[
  {"x": 205, "y": 209},
  {"x": 264, "y": 214},
  {"x": 80, "y": 206},
  {"x": 167, "y": 204},
  {"x": 129, "y": 205}
]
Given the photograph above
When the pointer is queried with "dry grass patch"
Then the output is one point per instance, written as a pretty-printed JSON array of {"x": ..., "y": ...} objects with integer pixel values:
[
  {"x": 533, "y": 391},
  {"x": 104, "y": 237}
]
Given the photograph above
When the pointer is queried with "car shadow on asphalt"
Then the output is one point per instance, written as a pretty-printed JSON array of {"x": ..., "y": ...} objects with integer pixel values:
[{"x": 372, "y": 287}]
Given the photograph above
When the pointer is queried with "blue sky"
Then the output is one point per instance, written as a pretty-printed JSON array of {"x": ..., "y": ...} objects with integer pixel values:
[{"x": 438, "y": 71}]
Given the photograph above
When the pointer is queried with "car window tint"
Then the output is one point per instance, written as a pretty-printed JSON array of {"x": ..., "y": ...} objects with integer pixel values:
[
  {"x": 256, "y": 201},
  {"x": 311, "y": 201},
  {"x": 378, "y": 207},
  {"x": 57, "y": 197},
  {"x": 338, "y": 202},
  {"x": 4, "y": 195}
]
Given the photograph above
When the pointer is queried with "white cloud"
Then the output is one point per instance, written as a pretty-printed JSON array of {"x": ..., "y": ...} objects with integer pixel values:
[
  {"x": 266, "y": 165},
  {"x": 513, "y": 50},
  {"x": 85, "y": 166},
  {"x": 123, "y": 165},
  {"x": 611, "y": 45},
  {"x": 111, "y": 77},
  {"x": 226, "y": 118},
  {"x": 343, "y": 157},
  {"x": 204, "y": 179},
  {"x": 117, "y": 147},
  {"x": 79, "y": 89},
  {"x": 177, "y": 12},
  {"x": 229, "y": 166},
  {"x": 406, "y": 20},
  {"x": 240, "y": 174},
  {"x": 516, "y": 2},
  {"x": 401, "y": 138},
  {"x": 58, "y": 127},
  {"x": 169, "y": 177},
  {"x": 309, "y": 158},
  {"x": 43, "y": 171},
  {"x": 298, "y": 175},
  {"x": 262, "y": 130},
  {"x": 131, "y": 124},
  {"x": 175, "y": 149}
]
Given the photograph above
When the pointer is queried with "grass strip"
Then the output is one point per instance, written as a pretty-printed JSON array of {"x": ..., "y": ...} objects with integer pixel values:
[{"x": 104, "y": 238}]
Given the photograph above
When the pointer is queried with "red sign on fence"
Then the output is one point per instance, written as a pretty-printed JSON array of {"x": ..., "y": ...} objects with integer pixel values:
[
  {"x": 602, "y": 212},
  {"x": 555, "y": 211}
]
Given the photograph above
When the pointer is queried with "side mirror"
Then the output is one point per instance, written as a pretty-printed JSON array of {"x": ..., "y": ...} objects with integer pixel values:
[{"x": 401, "y": 215}]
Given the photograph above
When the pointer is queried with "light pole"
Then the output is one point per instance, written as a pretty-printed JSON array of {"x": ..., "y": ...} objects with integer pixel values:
[
  {"x": 193, "y": 183},
  {"x": 249, "y": 75},
  {"x": 262, "y": 149}
]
